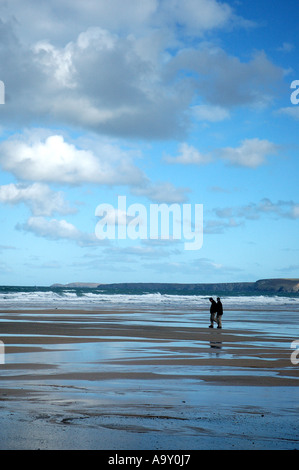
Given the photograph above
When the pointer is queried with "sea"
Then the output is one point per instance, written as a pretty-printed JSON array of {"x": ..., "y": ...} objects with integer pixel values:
[{"x": 18, "y": 297}]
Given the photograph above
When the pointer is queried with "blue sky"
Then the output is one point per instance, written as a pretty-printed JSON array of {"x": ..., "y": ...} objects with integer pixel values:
[{"x": 161, "y": 101}]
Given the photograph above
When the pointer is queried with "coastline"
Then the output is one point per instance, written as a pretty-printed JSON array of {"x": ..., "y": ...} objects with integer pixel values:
[{"x": 262, "y": 286}]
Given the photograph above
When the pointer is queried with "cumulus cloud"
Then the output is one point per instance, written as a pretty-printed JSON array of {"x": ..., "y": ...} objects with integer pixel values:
[
  {"x": 119, "y": 77},
  {"x": 38, "y": 197},
  {"x": 100, "y": 82},
  {"x": 252, "y": 211},
  {"x": 52, "y": 159},
  {"x": 59, "y": 21},
  {"x": 54, "y": 229},
  {"x": 197, "y": 16},
  {"x": 228, "y": 218},
  {"x": 188, "y": 155},
  {"x": 251, "y": 153},
  {"x": 224, "y": 80}
]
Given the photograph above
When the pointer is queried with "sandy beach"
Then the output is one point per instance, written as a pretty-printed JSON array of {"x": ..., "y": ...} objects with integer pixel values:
[{"x": 134, "y": 378}]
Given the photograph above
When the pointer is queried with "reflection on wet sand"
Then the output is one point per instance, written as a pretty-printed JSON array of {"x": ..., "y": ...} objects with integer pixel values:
[{"x": 124, "y": 378}]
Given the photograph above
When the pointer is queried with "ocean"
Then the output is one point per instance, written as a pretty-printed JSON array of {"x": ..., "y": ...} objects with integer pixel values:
[{"x": 12, "y": 297}]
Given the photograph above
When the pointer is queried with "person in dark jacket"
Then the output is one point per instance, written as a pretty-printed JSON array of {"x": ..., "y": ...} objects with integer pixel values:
[
  {"x": 213, "y": 311},
  {"x": 219, "y": 308}
]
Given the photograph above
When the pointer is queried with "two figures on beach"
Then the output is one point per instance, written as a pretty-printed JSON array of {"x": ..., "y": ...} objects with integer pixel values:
[{"x": 216, "y": 312}]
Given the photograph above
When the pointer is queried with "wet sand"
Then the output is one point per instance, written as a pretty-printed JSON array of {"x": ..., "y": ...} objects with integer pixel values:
[{"x": 147, "y": 379}]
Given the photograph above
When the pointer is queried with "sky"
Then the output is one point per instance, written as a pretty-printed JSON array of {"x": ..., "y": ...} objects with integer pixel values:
[{"x": 186, "y": 103}]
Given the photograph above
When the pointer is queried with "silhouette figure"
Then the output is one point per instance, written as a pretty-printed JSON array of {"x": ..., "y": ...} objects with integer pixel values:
[
  {"x": 219, "y": 308},
  {"x": 213, "y": 311}
]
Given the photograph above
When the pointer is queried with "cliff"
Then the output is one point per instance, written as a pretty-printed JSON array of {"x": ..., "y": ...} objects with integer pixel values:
[
  {"x": 266, "y": 286},
  {"x": 277, "y": 285}
]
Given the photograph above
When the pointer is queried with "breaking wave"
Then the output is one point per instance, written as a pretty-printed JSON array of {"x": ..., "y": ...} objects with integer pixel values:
[{"x": 51, "y": 297}]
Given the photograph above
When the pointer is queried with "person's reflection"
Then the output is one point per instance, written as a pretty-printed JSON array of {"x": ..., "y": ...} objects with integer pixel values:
[{"x": 216, "y": 345}]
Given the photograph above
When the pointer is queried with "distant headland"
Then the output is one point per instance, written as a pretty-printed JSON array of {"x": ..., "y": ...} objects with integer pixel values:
[{"x": 268, "y": 286}]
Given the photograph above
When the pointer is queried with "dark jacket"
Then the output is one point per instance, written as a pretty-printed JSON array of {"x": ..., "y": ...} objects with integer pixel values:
[
  {"x": 213, "y": 308},
  {"x": 219, "y": 308}
]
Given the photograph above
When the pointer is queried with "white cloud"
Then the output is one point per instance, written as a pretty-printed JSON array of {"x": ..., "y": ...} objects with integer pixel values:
[
  {"x": 119, "y": 78},
  {"x": 197, "y": 16},
  {"x": 188, "y": 155},
  {"x": 39, "y": 197},
  {"x": 233, "y": 217},
  {"x": 224, "y": 81},
  {"x": 54, "y": 160},
  {"x": 51, "y": 159},
  {"x": 114, "y": 216},
  {"x": 251, "y": 153},
  {"x": 54, "y": 229},
  {"x": 59, "y": 20},
  {"x": 253, "y": 211},
  {"x": 109, "y": 84},
  {"x": 57, "y": 62},
  {"x": 100, "y": 81}
]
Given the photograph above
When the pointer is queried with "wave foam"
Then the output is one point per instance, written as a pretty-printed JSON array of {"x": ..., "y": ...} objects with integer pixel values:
[{"x": 65, "y": 298}]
